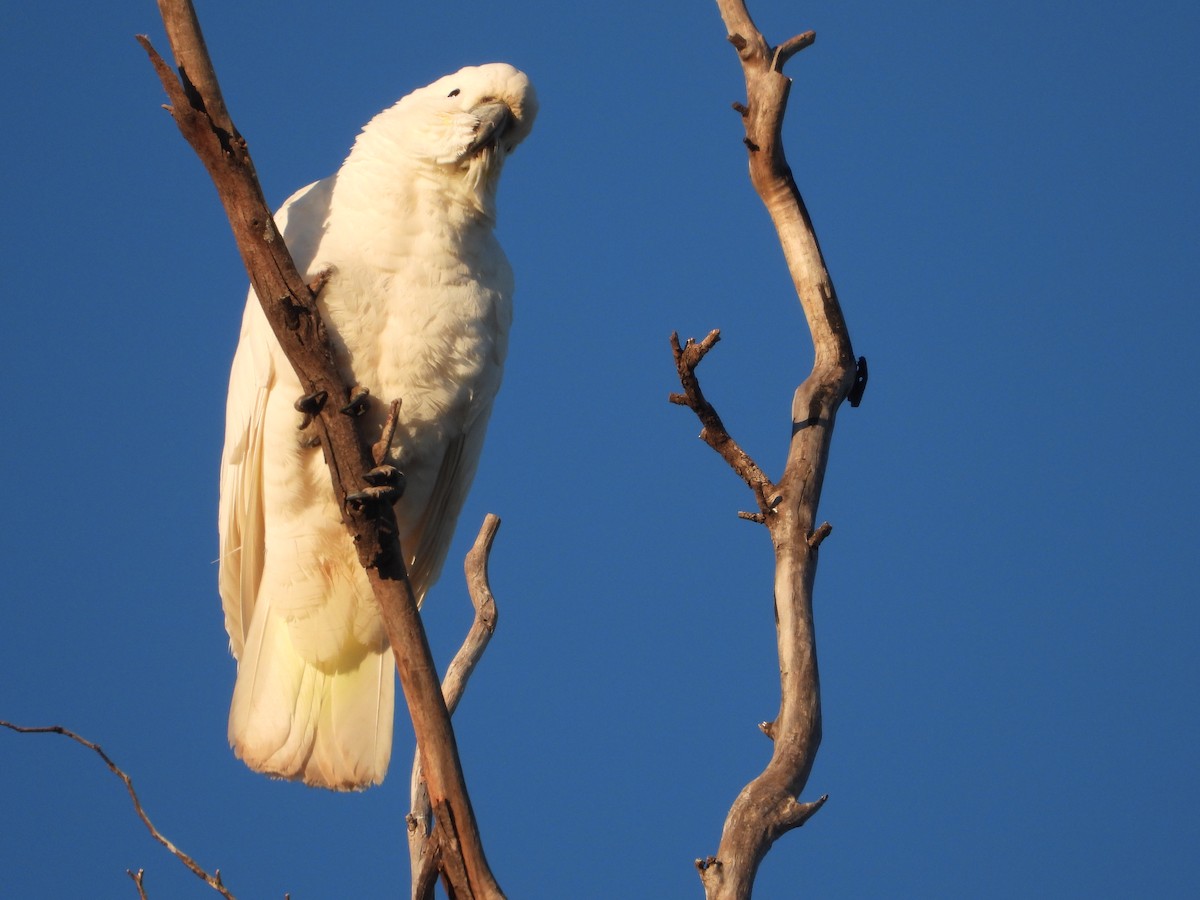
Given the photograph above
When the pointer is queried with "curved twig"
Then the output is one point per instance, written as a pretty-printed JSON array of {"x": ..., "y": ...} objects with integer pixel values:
[
  {"x": 424, "y": 855},
  {"x": 213, "y": 880}
]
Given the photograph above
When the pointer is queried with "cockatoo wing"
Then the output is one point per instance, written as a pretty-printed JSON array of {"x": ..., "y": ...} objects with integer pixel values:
[
  {"x": 429, "y": 542},
  {"x": 330, "y": 725},
  {"x": 252, "y": 376},
  {"x": 240, "y": 514}
]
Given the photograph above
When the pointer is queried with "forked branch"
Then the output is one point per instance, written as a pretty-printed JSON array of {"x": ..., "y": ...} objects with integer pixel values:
[
  {"x": 713, "y": 432},
  {"x": 290, "y": 306},
  {"x": 768, "y": 807}
]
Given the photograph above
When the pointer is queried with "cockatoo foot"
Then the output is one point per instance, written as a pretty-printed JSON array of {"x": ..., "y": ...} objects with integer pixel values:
[
  {"x": 372, "y": 499},
  {"x": 310, "y": 405},
  {"x": 385, "y": 475},
  {"x": 360, "y": 399},
  {"x": 386, "y": 486}
]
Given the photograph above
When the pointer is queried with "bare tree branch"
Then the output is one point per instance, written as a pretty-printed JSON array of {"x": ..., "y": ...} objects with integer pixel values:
[
  {"x": 767, "y": 807},
  {"x": 687, "y": 358},
  {"x": 290, "y": 307},
  {"x": 139, "y": 881},
  {"x": 213, "y": 880},
  {"x": 424, "y": 854}
]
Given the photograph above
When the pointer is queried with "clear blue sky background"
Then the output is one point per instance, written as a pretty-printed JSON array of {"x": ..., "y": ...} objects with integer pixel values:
[{"x": 1008, "y": 198}]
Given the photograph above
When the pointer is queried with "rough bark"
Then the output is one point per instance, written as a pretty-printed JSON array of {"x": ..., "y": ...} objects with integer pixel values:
[
  {"x": 290, "y": 305},
  {"x": 768, "y": 807}
]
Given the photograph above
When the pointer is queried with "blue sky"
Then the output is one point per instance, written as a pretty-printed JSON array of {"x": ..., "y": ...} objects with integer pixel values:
[{"x": 1008, "y": 201}]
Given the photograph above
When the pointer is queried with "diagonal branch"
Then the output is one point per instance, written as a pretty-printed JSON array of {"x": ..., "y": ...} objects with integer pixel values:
[
  {"x": 290, "y": 307},
  {"x": 767, "y": 807},
  {"x": 213, "y": 880},
  {"x": 713, "y": 432}
]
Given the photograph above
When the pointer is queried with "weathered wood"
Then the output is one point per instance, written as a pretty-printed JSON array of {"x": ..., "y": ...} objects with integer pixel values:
[{"x": 768, "y": 807}]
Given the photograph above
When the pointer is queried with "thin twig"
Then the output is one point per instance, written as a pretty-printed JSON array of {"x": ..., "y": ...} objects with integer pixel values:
[
  {"x": 815, "y": 537},
  {"x": 138, "y": 878},
  {"x": 791, "y": 47},
  {"x": 213, "y": 881},
  {"x": 424, "y": 855},
  {"x": 713, "y": 431},
  {"x": 379, "y": 450}
]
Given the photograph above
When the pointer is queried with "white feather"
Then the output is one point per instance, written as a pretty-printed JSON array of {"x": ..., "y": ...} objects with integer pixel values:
[{"x": 418, "y": 306}]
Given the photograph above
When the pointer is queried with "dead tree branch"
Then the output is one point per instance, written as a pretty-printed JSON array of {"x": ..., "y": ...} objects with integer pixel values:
[
  {"x": 213, "y": 880},
  {"x": 139, "y": 881},
  {"x": 290, "y": 305},
  {"x": 767, "y": 807},
  {"x": 423, "y": 853}
]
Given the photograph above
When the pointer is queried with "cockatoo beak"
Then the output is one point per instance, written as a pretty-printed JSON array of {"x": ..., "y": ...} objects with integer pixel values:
[{"x": 494, "y": 119}]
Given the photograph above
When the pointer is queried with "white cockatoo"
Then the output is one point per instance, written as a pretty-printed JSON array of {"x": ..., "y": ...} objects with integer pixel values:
[{"x": 418, "y": 304}]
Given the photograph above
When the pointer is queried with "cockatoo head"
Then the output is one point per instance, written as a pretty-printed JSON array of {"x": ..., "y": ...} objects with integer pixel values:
[
  {"x": 495, "y": 103},
  {"x": 458, "y": 130}
]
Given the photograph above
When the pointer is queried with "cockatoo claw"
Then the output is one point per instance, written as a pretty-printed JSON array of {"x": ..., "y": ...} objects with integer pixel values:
[
  {"x": 371, "y": 499},
  {"x": 360, "y": 399},
  {"x": 385, "y": 475},
  {"x": 310, "y": 405}
]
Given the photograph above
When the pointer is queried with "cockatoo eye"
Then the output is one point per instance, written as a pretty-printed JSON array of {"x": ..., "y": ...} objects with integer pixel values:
[{"x": 454, "y": 93}]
